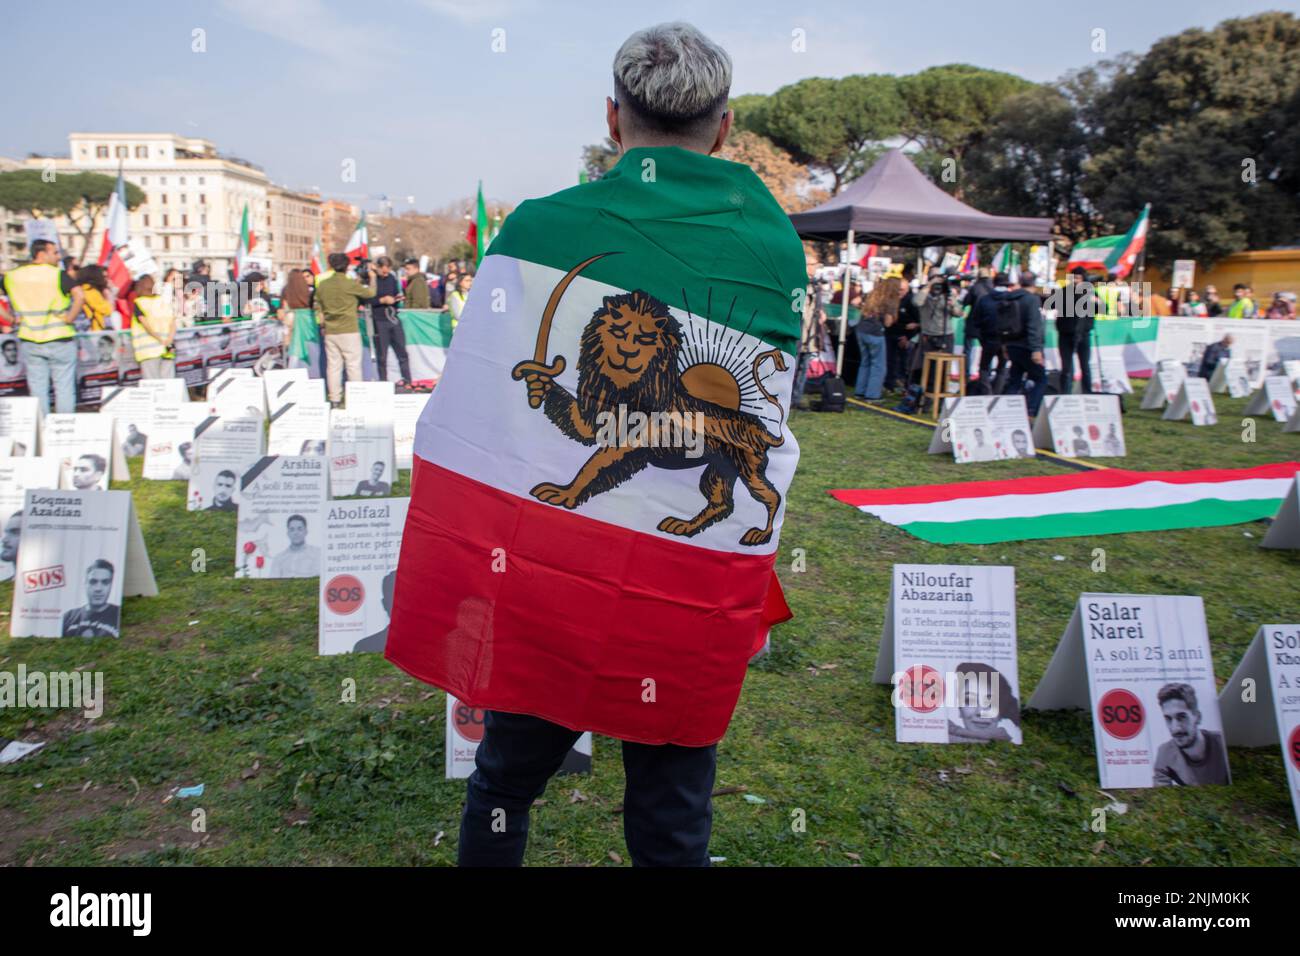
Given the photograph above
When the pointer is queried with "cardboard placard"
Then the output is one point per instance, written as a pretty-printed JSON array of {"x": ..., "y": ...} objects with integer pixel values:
[
  {"x": 236, "y": 392},
  {"x": 273, "y": 379},
  {"x": 1261, "y": 701},
  {"x": 1081, "y": 426},
  {"x": 368, "y": 396},
  {"x": 1275, "y": 397},
  {"x": 279, "y": 527},
  {"x": 20, "y": 417},
  {"x": 99, "y": 356},
  {"x": 465, "y": 732},
  {"x": 948, "y": 647},
  {"x": 1162, "y": 387},
  {"x": 1141, "y": 664},
  {"x": 17, "y": 475},
  {"x": 362, "y": 542},
  {"x": 81, "y": 553},
  {"x": 407, "y": 410},
  {"x": 361, "y": 453},
  {"x": 1232, "y": 377},
  {"x": 1193, "y": 399},
  {"x": 169, "y": 450},
  {"x": 300, "y": 428},
  {"x": 984, "y": 428},
  {"x": 1109, "y": 376},
  {"x": 225, "y": 447},
  {"x": 86, "y": 445},
  {"x": 1284, "y": 531},
  {"x": 131, "y": 408},
  {"x": 293, "y": 385}
]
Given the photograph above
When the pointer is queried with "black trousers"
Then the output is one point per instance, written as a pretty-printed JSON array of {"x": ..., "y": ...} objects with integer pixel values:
[
  {"x": 667, "y": 802},
  {"x": 1072, "y": 344},
  {"x": 989, "y": 351},
  {"x": 389, "y": 333}
]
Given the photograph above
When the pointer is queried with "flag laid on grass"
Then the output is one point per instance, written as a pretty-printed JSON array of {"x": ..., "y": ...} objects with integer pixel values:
[
  {"x": 1106, "y": 501},
  {"x": 599, "y": 478}
]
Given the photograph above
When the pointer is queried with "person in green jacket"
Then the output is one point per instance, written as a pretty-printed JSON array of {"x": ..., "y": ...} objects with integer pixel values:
[{"x": 337, "y": 300}]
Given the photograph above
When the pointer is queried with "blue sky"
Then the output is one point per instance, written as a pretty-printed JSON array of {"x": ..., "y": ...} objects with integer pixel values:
[{"x": 412, "y": 91}]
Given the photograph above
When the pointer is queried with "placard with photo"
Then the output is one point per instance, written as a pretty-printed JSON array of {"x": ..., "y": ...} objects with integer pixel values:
[
  {"x": 1140, "y": 663},
  {"x": 81, "y": 553},
  {"x": 225, "y": 447},
  {"x": 20, "y": 417},
  {"x": 1081, "y": 426},
  {"x": 84, "y": 443},
  {"x": 1162, "y": 388},
  {"x": 237, "y": 392},
  {"x": 362, "y": 542},
  {"x": 17, "y": 475},
  {"x": 361, "y": 453},
  {"x": 1275, "y": 397},
  {"x": 948, "y": 647},
  {"x": 13, "y": 370},
  {"x": 98, "y": 364},
  {"x": 279, "y": 527},
  {"x": 169, "y": 452},
  {"x": 1193, "y": 399},
  {"x": 299, "y": 428},
  {"x": 984, "y": 428}
]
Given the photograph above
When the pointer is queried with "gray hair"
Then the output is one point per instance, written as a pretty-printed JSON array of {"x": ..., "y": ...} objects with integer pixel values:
[{"x": 672, "y": 74}]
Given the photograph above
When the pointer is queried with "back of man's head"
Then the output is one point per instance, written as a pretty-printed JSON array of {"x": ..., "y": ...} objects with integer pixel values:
[
  {"x": 671, "y": 84},
  {"x": 1002, "y": 279},
  {"x": 338, "y": 261}
]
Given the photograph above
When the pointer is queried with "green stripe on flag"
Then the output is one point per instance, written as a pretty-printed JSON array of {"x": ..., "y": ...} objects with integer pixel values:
[
  {"x": 1208, "y": 512},
  {"x": 700, "y": 233}
]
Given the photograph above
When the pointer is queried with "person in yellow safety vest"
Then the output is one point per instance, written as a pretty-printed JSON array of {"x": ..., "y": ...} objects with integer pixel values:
[
  {"x": 44, "y": 301},
  {"x": 1110, "y": 295},
  {"x": 456, "y": 301},
  {"x": 153, "y": 331},
  {"x": 1243, "y": 306}
]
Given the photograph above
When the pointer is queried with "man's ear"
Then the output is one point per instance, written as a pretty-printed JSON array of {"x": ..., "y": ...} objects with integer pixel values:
[
  {"x": 723, "y": 130},
  {"x": 611, "y": 120}
]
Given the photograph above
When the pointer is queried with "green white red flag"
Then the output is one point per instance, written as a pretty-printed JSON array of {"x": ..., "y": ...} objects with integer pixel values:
[
  {"x": 561, "y": 557},
  {"x": 477, "y": 235},
  {"x": 1125, "y": 254},
  {"x": 1105, "y": 501},
  {"x": 247, "y": 242},
  {"x": 358, "y": 246}
]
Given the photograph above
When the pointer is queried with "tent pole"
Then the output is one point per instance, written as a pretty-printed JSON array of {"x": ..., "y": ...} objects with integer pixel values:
[{"x": 844, "y": 305}]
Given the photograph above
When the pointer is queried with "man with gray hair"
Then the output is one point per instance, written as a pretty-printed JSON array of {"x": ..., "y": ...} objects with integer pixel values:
[{"x": 629, "y": 601}]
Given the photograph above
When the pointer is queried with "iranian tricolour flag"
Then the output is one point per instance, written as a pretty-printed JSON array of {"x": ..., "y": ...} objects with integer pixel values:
[
  {"x": 1113, "y": 255},
  {"x": 600, "y": 475},
  {"x": 247, "y": 242},
  {"x": 1007, "y": 260},
  {"x": 1106, "y": 501},
  {"x": 1092, "y": 254},
  {"x": 477, "y": 232},
  {"x": 358, "y": 246},
  {"x": 317, "y": 264}
]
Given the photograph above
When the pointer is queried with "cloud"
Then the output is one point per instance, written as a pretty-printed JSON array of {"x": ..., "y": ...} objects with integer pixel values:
[
  {"x": 475, "y": 11},
  {"x": 311, "y": 26}
]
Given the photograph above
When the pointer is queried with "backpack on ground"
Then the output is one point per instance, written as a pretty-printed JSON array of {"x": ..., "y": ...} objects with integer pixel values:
[{"x": 832, "y": 394}]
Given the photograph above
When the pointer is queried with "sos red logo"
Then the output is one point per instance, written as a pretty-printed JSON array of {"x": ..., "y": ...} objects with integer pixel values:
[
  {"x": 43, "y": 579},
  {"x": 1293, "y": 747},
  {"x": 921, "y": 688},
  {"x": 468, "y": 722},
  {"x": 344, "y": 594},
  {"x": 1121, "y": 714}
]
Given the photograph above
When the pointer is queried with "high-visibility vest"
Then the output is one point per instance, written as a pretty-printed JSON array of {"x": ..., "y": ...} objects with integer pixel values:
[
  {"x": 1110, "y": 298},
  {"x": 36, "y": 294},
  {"x": 161, "y": 319},
  {"x": 1242, "y": 308}
]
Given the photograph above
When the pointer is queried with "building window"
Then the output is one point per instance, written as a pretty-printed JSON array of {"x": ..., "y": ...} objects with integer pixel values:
[
  {"x": 146, "y": 220},
  {"x": 163, "y": 180},
  {"x": 148, "y": 242},
  {"x": 203, "y": 219},
  {"x": 142, "y": 152},
  {"x": 182, "y": 180},
  {"x": 144, "y": 180},
  {"x": 164, "y": 199},
  {"x": 122, "y": 152},
  {"x": 200, "y": 180},
  {"x": 182, "y": 194},
  {"x": 166, "y": 243},
  {"x": 203, "y": 242},
  {"x": 164, "y": 220},
  {"x": 101, "y": 152},
  {"x": 185, "y": 241},
  {"x": 203, "y": 198},
  {"x": 185, "y": 220}
]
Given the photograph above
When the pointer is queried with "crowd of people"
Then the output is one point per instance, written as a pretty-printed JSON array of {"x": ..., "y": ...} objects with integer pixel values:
[
  {"x": 894, "y": 320},
  {"x": 48, "y": 300}
]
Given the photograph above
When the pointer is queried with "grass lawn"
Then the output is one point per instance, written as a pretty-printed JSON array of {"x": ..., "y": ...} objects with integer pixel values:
[{"x": 217, "y": 682}]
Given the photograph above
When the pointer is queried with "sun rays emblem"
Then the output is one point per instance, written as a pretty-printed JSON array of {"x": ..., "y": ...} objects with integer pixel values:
[{"x": 701, "y": 376}]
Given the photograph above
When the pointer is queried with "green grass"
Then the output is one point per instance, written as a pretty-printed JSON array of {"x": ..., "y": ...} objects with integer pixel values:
[{"x": 240, "y": 702}]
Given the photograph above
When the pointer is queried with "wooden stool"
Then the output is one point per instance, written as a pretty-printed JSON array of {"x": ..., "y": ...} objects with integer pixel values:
[{"x": 942, "y": 363}]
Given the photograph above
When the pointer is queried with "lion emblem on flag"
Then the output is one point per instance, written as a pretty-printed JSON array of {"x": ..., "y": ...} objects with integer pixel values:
[{"x": 631, "y": 364}]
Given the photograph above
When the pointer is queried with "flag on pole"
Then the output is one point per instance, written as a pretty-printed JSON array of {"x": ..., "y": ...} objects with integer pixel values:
[
  {"x": 970, "y": 261},
  {"x": 477, "y": 233},
  {"x": 547, "y": 568},
  {"x": 247, "y": 241},
  {"x": 1125, "y": 254},
  {"x": 317, "y": 264},
  {"x": 116, "y": 236},
  {"x": 1092, "y": 254},
  {"x": 358, "y": 246}
]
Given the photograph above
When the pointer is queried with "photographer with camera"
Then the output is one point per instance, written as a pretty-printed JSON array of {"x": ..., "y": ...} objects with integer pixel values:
[
  {"x": 936, "y": 305},
  {"x": 337, "y": 298}
]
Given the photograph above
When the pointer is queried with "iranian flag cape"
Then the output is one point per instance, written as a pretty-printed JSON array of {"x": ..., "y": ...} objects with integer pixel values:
[{"x": 555, "y": 562}]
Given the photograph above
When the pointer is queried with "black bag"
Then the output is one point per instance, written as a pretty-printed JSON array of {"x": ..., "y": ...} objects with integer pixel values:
[
  {"x": 1007, "y": 322},
  {"x": 832, "y": 392}
]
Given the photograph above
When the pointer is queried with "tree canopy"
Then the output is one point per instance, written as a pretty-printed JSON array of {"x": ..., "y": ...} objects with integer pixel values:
[{"x": 78, "y": 196}]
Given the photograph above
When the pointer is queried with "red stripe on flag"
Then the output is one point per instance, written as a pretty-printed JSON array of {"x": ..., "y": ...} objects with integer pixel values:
[
  {"x": 582, "y": 616},
  {"x": 1105, "y": 478}
]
